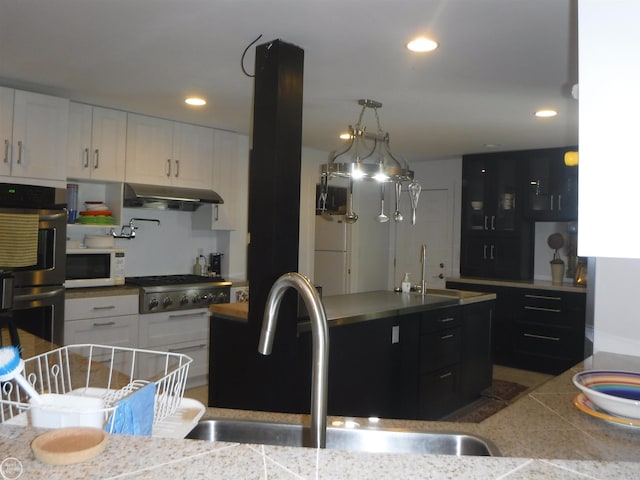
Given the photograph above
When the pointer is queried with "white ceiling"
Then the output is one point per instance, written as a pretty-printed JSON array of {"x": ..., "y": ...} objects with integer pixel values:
[{"x": 498, "y": 62}]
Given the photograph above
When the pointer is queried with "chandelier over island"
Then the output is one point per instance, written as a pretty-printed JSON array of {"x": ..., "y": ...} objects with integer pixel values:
[{"x": 368, "y": 156}]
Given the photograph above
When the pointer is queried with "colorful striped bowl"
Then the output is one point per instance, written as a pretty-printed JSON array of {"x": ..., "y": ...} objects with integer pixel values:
[{"x": 615, "y": 392}]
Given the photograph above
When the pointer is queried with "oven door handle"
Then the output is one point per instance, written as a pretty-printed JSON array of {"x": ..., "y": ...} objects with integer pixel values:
[
  {"x": 29, "y": 297},
  {"x": 52, "y": 217}
]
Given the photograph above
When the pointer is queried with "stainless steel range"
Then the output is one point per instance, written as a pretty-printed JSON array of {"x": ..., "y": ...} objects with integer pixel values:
[{"x": 163, "y": 293}]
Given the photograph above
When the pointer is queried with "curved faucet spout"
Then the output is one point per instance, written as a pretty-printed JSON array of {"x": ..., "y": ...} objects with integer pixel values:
[{"x": 320, "y": 337}]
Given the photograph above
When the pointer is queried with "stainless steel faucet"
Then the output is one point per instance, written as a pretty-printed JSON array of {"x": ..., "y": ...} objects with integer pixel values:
[
  {"x": 320, "y": 338},
  {"x": 423, "y": 261}
]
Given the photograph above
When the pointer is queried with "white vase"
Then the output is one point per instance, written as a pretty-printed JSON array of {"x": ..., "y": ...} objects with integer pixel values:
[{"x": 557, "y": 273}]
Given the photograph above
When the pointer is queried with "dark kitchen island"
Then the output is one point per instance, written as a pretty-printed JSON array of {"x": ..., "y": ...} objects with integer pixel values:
[{"x": 392, "y": 355}]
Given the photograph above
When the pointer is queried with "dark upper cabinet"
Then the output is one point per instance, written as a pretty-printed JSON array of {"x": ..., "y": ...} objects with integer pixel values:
[
  {"x": 551, "y": 187},
  {"x": 496, "y": 240}
]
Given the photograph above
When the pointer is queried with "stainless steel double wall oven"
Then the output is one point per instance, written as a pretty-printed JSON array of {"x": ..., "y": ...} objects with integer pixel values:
[{"x": 38, "y": 291}]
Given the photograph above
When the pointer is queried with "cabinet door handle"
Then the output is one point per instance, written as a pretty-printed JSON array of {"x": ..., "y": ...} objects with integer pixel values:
[
  {"x": 559, "y": 202},
  {"x": 168, "y": 167},
  {"x": 541, "y": 337},
  {"x": 493, "y": 222},
  {"x": 6, "y": 151},
  {"x": 19, "y": 161},
  {"x": 96, "y": 158},
  {"x": 104, "y": 324},
  {"x": 177, "y": 168},
  {"x": 188, "y": 349},
  {"x": 446, "y": 319},
  {"x": 484, "y": 252},
  {"x": 492, "y": 252},
  {"x": 486, "y": 219},
  {"x": 542, "y": 297},
  {"x": 447, "y": 337},
  {"x": 85, "y": 161},
  {"x": 215, "y": 214},
  {"x": 551, "y": 197},
  {"x": 445, "y": 375},
  {"x": 542, "y": 309},
  {"x": 106, "y": 307}
]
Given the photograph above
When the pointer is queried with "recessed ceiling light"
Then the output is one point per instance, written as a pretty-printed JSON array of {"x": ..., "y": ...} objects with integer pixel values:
[
  {"x": 422, "y": 44},
  {"x": 546, "y": 113},
  {"x": 195, "y": 101}
]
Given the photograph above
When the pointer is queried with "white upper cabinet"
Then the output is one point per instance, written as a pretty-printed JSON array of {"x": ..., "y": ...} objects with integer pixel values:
[
  {"x": 6, "y": 128},
  {"x": 163, "y": 152},
  {"x": 36, "y": 150},
  {"x": 230, "y": 179},
  {"x": 97, "y": 143}
]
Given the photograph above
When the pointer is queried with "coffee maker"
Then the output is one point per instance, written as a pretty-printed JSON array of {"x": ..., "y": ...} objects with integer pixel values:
[{"x": 215, "y": 264}]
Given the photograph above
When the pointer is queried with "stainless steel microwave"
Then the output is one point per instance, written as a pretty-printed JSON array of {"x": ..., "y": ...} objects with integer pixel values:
[{"x": 94, "y": 267}]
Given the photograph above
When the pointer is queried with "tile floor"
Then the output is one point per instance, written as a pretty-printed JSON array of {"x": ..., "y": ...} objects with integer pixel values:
[{"x": 523, "y": 377}]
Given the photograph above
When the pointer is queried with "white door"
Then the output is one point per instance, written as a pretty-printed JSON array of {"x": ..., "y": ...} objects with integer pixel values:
[{"x": 434, "y": 227}]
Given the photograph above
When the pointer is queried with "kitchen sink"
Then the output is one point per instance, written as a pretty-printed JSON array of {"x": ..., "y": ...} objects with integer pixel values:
[{"x": 344, "y": 438}]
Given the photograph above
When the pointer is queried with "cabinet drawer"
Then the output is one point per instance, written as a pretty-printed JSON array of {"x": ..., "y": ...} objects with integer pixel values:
[
  {"x": 120, "y": 331},
  {"x": 546, "y": 341},
  {"x": 547, "y": 308},
  {"x": 440, "y": 320},
  {"x": 440, "y": 349},
  {"x": 438, "y": 393},
  {"x": 168, "y": 328},
  {"x": 98, "y": 307}
]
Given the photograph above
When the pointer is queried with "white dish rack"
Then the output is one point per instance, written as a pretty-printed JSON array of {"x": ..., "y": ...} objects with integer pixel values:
[{"x": 110, "y": 373}]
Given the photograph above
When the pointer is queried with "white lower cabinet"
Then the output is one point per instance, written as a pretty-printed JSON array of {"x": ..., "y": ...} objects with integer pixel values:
[
  {"x": 114, "y": 321},
  {"x": 110, "y": 320},
  {"x": 185, "y": 332}
]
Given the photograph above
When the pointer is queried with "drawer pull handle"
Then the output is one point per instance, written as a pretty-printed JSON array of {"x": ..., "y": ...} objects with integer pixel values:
[
  {"x": 188, "y": 349},
  {"x": 542, "y": 297},
  {"x": 446, "y": 337},
  {"x": 106, "y": 307},
  {"x": 186, "y": 315},
  {"x": 446, "y": 319},
  {"x": 445, "y": 375},
  {"x": 104, "y": 324},
  {"x": 542, "y": 309},
  {"x": 541, "y": 337}
]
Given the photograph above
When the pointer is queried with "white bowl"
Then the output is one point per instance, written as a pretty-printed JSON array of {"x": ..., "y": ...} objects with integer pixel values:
[
  {"x": 99, "y": 241},
  {"x": 615, "y": 392}
]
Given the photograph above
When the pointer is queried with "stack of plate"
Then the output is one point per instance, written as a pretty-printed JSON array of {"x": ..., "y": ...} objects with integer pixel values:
[
  {"x": 96, "y": 213},
  {"x": 609, "y": 395}
]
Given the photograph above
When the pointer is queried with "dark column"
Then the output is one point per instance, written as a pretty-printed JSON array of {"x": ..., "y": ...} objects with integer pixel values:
[{"x": 274, "y": 212}]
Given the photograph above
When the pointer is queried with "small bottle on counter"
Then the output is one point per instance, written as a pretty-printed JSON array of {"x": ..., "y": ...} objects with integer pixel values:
[
  {"x": 197, "y": 267},
  {"x": 406, "y": 284}
]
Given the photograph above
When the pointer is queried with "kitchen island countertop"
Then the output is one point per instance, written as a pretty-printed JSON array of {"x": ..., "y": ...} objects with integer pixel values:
[{"x": 358, "y": 307}]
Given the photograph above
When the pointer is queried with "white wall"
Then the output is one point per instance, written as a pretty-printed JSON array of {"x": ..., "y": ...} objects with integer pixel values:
[{"x": 609, "y": 101}]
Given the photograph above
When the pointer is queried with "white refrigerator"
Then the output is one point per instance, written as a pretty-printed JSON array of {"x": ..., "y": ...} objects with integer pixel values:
[{"x": 331, "y": 266}]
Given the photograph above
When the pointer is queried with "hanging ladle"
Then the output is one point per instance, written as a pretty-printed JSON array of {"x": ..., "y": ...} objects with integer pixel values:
[
  {"x": 350, "y": 216},
  {"x": 382, "y": 218},
  {"x": 414, "y": 194},
  {"x": 397, "y": 216}
]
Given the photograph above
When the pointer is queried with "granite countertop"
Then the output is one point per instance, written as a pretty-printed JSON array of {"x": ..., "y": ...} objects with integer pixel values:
[
  {"x": 358, "y": 307},
  {"x": 540, "y": 436},
  {"x": 89, "y": 292}
]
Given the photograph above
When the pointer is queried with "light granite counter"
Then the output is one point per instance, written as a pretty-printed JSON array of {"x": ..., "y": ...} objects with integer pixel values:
[{"x": 542, "y": 436}]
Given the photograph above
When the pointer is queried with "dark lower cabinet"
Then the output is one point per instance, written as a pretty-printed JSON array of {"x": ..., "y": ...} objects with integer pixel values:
[
  {"x": 416, "y": 366},
  {"x": 536, "y": 329}
]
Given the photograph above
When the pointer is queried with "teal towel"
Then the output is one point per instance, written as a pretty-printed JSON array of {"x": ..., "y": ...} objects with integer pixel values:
[{"x": 134, "y": 414}]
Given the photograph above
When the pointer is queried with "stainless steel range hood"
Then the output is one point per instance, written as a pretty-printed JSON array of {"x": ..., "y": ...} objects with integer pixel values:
[{"x": 167, "y": 198}]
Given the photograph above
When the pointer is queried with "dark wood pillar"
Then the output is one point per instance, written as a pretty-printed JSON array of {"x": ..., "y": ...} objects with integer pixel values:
[{"x": 274, "y": 213}]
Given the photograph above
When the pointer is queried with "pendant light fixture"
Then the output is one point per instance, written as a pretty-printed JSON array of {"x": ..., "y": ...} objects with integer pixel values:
[{"x": 367, "y": 156}]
